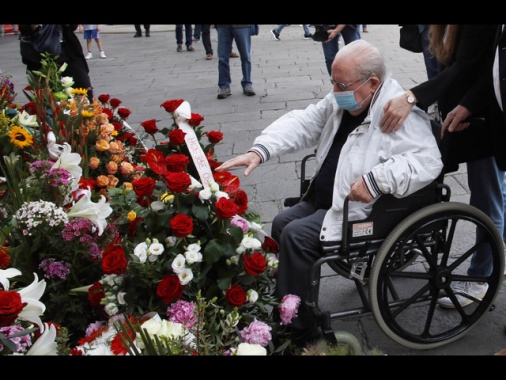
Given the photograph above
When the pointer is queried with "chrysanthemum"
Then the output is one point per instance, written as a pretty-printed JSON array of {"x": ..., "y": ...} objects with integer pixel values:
[{"x": 20, "y": 137}]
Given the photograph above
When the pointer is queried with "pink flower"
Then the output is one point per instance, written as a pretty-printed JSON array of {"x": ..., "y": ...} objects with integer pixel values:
[
  {"x": 242, "y": 223},
  {"x": 288, "y": 308},
  {"x": 256, "y": 333},
  {"x": 182, "y": 312}
]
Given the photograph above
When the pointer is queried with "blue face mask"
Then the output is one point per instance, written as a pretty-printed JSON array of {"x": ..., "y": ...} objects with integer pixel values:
[{"x": 346, "y": 99}]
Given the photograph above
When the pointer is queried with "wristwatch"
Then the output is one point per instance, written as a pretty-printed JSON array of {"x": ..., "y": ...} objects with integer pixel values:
[{"x": 410, "y": 98}]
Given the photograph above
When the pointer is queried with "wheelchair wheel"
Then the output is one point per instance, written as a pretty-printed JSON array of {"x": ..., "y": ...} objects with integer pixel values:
[{"x": 404, "y": 298}]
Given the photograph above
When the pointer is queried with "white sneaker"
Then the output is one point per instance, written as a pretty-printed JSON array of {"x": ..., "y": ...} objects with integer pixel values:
[
  {"x": 472, "y": 289},
  {"x": 102, "y": 55},
  {"x": 89, "y": 55}
]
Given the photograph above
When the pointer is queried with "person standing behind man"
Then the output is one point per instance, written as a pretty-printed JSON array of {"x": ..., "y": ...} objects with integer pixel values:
[
  {"x": 93, "y": 32},
  {"x": 488, "y": 92},
  {"x": 138, "y": 30},
  {"x": 349, "y": 32},
  {"x": 226, "y": 36},
  {"x": 465, "y": 52},
  {"x": 188, "y": 32}
]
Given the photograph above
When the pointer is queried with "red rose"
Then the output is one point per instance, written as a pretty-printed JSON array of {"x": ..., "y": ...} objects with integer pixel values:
[
  {"x": 10, "y": 307},
  {"x": 177, "y": 162},
  {"x": 144, "y": 186},
  {"x": 104, "y": 98},
  {"x": 225, "y": 208},
  {"x": 177, "y": 182},
  {"x": 169, "y": 288},
  {"x": 114, "y": 102},
  {"x": 270, "y": 245},
  {"x": 117, "y": 126},
  {"x": 155, "y": 160},
  {"x": 241, "y": 200},
  {"x": 235, "y": 295},
  {"x": 254, "y": 264},
  {"x": 181, "y": 225},
  {"x": 195, "y": 120},
  {"x": 171, "y": 105},
  {"x": 150, "y": 126},
  {"x": 108, "y": 112},
  {"x": 214, "y": 136},
  {"x": 124, "y": 112},
  {"x": 95, "y": 294},
  {"x": 5, "y": 259},
  {"x": 176, "y": 136},
  {"x": 114, "y": 260}
]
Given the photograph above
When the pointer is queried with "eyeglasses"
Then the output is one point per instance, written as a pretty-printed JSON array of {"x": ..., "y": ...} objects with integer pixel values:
[{"x": 343, "y": 86}]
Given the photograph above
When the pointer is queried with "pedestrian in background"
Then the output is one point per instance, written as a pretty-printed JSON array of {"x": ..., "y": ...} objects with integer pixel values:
[
  {"x": 92, "y": 32},
  {"x": 277, "y": 31},
  {"x": 188, "y": 33},
  {"x": 138, "y": 30},
  {"x": 349, "y": 32},
  {"x": 226, "y": 36}
]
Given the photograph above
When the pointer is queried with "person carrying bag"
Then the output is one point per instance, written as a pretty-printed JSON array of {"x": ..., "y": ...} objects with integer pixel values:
[{"x": 44, "y": 38}]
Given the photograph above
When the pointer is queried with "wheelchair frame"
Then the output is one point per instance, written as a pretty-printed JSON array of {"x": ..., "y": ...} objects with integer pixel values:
[{"x": 407, "y": 253}]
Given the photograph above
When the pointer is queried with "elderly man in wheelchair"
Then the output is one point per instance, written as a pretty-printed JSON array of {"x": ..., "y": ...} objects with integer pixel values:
[{"x": 356, "y": 165}]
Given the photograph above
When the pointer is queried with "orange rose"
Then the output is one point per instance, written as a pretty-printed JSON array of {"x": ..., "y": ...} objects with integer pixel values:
[
  {"x": 116, "y": 147},
  {"x": 102, "y": 181},
  {"x": 112, "y": 167},
  {"x": 102, "y": 145},
  {"x": 94, "y": 163},
  {"x": 126, "y": 168},
  {"x": 113, "y": 181}
]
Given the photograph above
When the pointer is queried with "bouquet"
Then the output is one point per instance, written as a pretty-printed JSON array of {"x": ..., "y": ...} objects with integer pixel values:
[{"x": 144, "y": 250}]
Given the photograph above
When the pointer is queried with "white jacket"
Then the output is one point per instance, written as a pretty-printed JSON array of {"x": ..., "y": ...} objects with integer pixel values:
[{"x": 401, "y": 162}]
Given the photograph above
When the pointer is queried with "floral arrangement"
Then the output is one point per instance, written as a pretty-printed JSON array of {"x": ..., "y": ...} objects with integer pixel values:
[{"x": 142, "y": 250}]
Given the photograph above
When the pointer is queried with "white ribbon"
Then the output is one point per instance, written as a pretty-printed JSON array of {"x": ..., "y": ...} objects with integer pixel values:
[{"x": 182, "y": 115}]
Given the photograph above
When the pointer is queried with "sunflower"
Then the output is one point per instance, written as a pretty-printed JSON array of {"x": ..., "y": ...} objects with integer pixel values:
[
  {"x": 79, "y": 91},
  {"x": 20, "y": 137}
]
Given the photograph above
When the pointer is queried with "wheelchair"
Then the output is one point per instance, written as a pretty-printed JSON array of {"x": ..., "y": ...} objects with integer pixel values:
[{"x": 403, "y": 258}]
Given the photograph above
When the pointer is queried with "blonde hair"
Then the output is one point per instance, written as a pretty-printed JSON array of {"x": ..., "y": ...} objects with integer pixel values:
[{"x": 443, "y": 41}]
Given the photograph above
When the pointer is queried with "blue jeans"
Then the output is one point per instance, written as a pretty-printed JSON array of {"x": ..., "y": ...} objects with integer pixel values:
[
  {"x": 486, "y": 183},
  {"x": 350, "y": 32},
  {"x": 280, "y": 27},
  {"x": 242, "y": 37},
  {"x": 197, "y": 31},
  {"x": 431, "y": 63},
  {"x": 188, "y": 32}
]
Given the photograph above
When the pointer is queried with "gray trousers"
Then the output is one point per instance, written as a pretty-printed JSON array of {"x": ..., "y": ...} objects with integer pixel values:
[{"x": 297, "y": 231}]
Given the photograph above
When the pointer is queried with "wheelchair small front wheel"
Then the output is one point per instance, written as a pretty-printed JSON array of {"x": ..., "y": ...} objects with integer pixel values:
[{"x": 405, "y": 296}]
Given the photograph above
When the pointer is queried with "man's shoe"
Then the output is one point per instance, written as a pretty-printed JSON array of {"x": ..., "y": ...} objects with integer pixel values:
[
  {"x": 179, "y": 48},
  {"x": 102, "y": 55},
  {"x": 190, "y": 48},
  {"x": 234, "y": 55},
  {"x": 248, "y": 90},
  {"x": 89, "y": 55},
  {"x": 472, "y": 289},
  {"x": 147, "y": 34},
  {"x": 223, "y": 93},
  {"x": 308, "y": 36},
  {"x": 209, "y": 57},
  {"x": 137, "y": 35},
  {"x": 275, "y": 34}
]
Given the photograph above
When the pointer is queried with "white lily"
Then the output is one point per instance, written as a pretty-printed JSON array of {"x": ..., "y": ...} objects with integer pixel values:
[
  {"x": 46, "y": 344},
  {"x": 5, "y": 274},
  {"x": 33, "y": 308},
  {"x": 54, "y": 149},
  {"x": 26, "y": 120},
  {"x": 70, "y": 162},
  {"x": 95, "y": 212}
]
